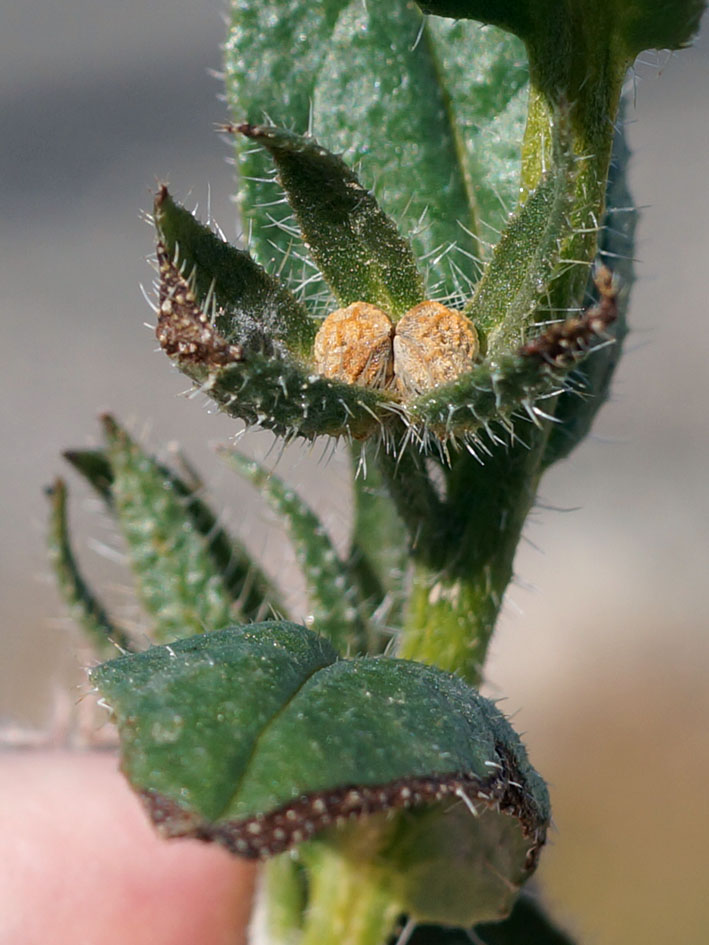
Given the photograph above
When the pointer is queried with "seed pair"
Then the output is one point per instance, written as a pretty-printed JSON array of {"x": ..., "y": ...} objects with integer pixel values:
[{"x": 430, "y": 345}]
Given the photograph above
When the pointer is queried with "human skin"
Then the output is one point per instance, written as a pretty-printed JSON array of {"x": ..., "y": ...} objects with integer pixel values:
[{"x": 79, "y": 863}]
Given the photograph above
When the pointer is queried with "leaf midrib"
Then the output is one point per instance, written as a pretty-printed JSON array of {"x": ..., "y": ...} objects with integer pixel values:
[{"x": 233, "y": 797}]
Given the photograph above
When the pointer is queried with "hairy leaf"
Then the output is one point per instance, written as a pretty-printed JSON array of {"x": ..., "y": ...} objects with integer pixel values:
[
  {"x": 85, "y": 607},
  {"x": 95, "y": 467},
  {"x": 250, "y": 589},
  {"x": 516, "y": 280},
  {"x": 277, "y": 395},
  {"x": 259, "y": 737},
  {"x": 381, "y": 97},
  {"x": 252, "y": 308},
  {"x": 177, "y": 581},
  {"x": 434, "y": 113},
  {"x": 494, "y": 391},
  {"x": 274, "y": 392},
  {"x": 357, "y": 248},
  {"x": 485, "y": 74},
  {"x": 433, "y": 116},
  {"x": 272, "y": 57}
]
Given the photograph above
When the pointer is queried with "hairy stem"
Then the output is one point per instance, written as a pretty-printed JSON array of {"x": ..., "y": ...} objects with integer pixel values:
[{"x": 459, "y": 584}]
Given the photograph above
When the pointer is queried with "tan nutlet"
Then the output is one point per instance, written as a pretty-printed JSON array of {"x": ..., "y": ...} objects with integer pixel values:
[
  {"x": 433, "y": 345},
  {"x": 354, "y": 345}
]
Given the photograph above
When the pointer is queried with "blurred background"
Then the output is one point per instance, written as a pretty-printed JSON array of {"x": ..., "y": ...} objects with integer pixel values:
[{"x": 602, "y": 653}]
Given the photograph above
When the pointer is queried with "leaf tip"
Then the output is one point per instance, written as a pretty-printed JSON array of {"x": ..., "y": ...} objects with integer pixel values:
[{"x": 56, "y": 491}]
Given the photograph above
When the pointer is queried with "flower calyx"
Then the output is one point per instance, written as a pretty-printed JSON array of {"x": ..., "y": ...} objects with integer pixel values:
[{"x": 388, "y": 361}]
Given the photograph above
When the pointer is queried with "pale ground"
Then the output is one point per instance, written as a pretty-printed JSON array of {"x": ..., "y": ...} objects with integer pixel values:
[{"x": 606, "y": 663}]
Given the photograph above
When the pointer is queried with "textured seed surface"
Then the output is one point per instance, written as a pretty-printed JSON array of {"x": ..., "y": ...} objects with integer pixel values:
[
  {"x": 354, "y": 345},
  {"x": 433, "y": 345},
  {"x": 429, "y": 346}
]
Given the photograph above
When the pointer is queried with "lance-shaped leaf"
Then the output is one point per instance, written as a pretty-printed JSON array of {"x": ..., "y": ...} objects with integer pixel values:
[
  {"x": 335, "y": 607},
  {"x": 276, "y": 393},
  {"x": 249, "y": 588},
  {"x": 95, "y": 467},
  {"x": 85, "y": 607},
  {"x": 176, "y": 579},
  {"x": 356, "y": 246},
  {"x": 253, "y": 308},
  {"x": 381, "y": 96},
  {"x": 527, "y": 924},
  {"x": 272, "y": 57},
  {"x": 516, "y": 280},
  {"x": 259, "y": 737}
]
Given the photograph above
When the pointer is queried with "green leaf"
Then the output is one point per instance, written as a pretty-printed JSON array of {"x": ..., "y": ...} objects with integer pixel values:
[
  {"x": 381, "y": 97},
  {"x": 250, "y": 589},
  {"x": 277, "y": 393},
  {"x": 85, "y": 607},
  {"x": 496, "y": 391},
  {"x": 259, "y": 737},
  {"x": 272, "y": 57},
  {"x": 485, "y": 73},
  {"x": 192, "y": 713},
  {"x": 434, "y": 113},
  {"x": 334, "y": 600},
  {"x": 357, "y": 248},
  {"x": 516, "y": 280},
  {"x": 527, "y": 924},
  {"x": 95, "y": 467},
  {"x": 579, "y": 54},
  {"x": 176, "y": 578},
  {"x": 252, "y": 308}
]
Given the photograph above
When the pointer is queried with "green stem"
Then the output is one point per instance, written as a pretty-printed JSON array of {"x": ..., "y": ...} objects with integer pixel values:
[
  {"x": 283, "y": 888},
  {"x": 590, "y": 83},
  {"x": 350, "y": 903},
  {"x": 458, "y": 587},
  {"x": 450, "y": 620}
]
